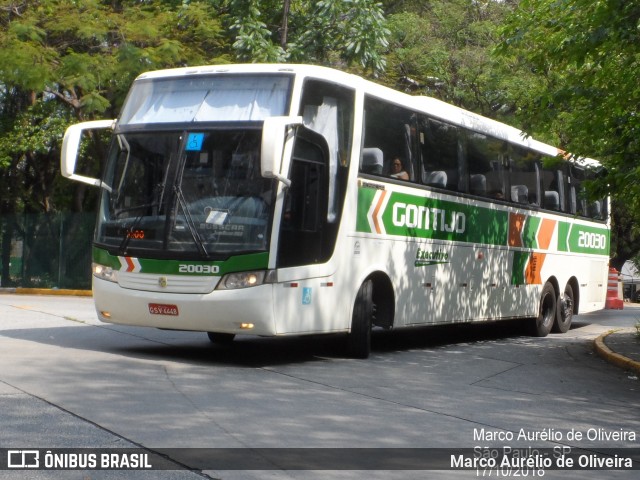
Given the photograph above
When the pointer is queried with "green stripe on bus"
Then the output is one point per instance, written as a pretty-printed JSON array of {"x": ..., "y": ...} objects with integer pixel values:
[
  {"x": 577, "y": 238},
  {"x": 404, "y": 215},
  {"x": 238, "y": 263},
  {"x": 531, "y": 225},
  {"x": 520, "y": 260},
  {"x": 365, "y": 199}
]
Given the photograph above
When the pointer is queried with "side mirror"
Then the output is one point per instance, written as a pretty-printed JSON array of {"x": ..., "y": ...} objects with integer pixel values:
[
  {"x": 71, "y": 145},
  {"x": 274, "y": 137}
]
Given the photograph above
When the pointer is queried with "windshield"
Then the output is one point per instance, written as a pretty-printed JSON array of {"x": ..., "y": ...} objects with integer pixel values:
[{"x": 185, "y": 194}]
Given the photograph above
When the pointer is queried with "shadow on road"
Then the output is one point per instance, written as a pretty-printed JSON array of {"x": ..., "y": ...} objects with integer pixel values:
[{"x": 255, "y": 352}]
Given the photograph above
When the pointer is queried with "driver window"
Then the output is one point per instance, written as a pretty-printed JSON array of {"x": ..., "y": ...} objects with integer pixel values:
[{"x": 306, "y": 237}]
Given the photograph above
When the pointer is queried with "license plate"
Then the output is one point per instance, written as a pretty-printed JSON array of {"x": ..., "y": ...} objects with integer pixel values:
[{"x": 163, "y": 309}]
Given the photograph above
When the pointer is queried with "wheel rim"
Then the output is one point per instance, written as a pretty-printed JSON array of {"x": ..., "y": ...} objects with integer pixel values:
[{"x": 566, "y": 307}]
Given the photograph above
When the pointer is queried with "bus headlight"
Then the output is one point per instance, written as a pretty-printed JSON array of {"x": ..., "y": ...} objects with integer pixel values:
[
  {"x": 104, "y": 273},
  {"x": 234, "y": 281}
]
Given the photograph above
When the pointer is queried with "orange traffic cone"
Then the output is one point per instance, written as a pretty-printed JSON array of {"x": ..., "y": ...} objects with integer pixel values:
[{"x": 613, "y": 302}]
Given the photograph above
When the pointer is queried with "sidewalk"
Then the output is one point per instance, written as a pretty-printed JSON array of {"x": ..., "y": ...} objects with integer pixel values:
[
  {"x": 47, "y": 291},
  {"x": 620, "y": 347}
]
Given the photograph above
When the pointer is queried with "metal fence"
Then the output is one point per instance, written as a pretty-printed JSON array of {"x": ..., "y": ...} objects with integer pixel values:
[{"x": 46, "y": 250}]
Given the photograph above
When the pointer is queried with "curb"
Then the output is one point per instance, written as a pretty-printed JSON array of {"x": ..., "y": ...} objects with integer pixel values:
[
  {"x": 612, "y": 357},
  {"x": 46, "y": 291}
]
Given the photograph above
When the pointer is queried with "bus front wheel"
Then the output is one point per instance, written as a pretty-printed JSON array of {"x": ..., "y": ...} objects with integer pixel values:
[
  {"x": 359, "y": 339},
  {"x": 542, "y": 324}
]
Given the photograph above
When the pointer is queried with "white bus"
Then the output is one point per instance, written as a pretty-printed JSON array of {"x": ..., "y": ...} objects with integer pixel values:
[{"x": 266, "y": 200}]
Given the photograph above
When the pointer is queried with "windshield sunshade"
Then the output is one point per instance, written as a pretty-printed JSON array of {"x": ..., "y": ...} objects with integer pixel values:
[{"x": 206, "y": 99}]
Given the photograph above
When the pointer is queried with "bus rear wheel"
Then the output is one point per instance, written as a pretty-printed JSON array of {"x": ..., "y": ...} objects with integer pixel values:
[
  {"x": 359, "y": 339},
  {"x": 542, "y": 324},
  {"x": 565, "y": 311}
]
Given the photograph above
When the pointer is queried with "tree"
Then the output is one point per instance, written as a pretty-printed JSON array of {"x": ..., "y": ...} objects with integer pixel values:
[
  {"x": 62, "y": 61},
  {"x": 327, "y": 32},
  {"x": 583, "y": 91},
  {"x": 443, "y": 48},
  {"x": 66, "y": 61}
]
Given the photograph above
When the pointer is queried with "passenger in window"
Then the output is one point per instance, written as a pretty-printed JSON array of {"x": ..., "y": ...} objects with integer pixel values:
[
  {"x": 397, "y": 169},
  {"x": 497, "y": 194}
]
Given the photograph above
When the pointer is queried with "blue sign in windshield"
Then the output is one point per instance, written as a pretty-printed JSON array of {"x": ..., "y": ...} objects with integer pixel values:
[{"x": 194, "y": 142}]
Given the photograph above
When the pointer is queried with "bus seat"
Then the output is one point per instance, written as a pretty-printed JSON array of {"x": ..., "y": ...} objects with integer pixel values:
[
  {"x": 551, "y": 200},
  {"x": 372, "y": 160},
  {"x": 437, "y": 178},
  {"x": 519, "y": 194},
  {"x": 240, "y": 166},
  {"x": 595, "y": 210},
  {"x": 478, "y": 184}
]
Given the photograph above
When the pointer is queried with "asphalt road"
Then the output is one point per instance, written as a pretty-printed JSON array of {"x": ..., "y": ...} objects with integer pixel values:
[{"x": 69, "y": 381}]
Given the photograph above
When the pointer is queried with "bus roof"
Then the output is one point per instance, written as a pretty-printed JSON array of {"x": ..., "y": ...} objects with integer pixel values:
[{"x": 432, "y": 106}]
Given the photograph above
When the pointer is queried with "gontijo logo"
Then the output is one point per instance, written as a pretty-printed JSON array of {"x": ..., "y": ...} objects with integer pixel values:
[
  {"x": 412, "y": 215},
  {"x": 399, "y": 214},
  {"x": 418, "y": 216}
]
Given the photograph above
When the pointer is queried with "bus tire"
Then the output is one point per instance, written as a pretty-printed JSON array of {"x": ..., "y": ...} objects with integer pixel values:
[
  {"x": 359, "y": 339},
  {"x": 221, "y": 338},
  {"x": 564, "y": 314},
  {"x": 542, "y": 324}
]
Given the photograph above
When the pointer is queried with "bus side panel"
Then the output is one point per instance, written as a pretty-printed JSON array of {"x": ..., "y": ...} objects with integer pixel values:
[
  {"x": 503, "y": 298},
  {"x": 597, "y": 293},
  {"x": 310, "y": 305},
  {"x": 589, "y": 272},
  {"x": 439, "y": 283}
]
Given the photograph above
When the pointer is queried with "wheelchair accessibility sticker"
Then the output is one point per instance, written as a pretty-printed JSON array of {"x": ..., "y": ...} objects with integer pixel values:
[{"x": 306, "y": 296}]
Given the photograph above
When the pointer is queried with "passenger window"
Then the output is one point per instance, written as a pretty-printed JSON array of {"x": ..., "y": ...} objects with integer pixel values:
[
  {"x": 553, "y": 184},
  {"x": 439, "y": 152},
  {"x": 328, "y": 109},
  {"x": 579, "y": 202},
  {"x": 523, "y": 176},
  {"x": 389, "y": 140},
  {"x": 485, "y": 156}
]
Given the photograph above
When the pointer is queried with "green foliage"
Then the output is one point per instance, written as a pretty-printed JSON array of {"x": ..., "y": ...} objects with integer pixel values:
[
  {"x": 87, "y": 53},
  {"x": 583, "y": 91},
  {"x": 328, "y": 32},
  {"x": 254, "y": 40},
  {"x": 65, "y": 60},
  {"x": 444, "y": 50},
  {"x": 355, "y": 30},
  {"x": 38, "y": 130},
  {"x": 585, "y": 57}
]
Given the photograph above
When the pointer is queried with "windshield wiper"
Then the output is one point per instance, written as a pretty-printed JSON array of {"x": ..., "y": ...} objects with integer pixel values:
[
  {"x": 191, "y": 224},
  {"x": 125, "y": 147}
]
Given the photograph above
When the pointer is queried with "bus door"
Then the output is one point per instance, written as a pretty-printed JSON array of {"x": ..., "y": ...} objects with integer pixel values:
[{"x": 303, "y": 299}]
